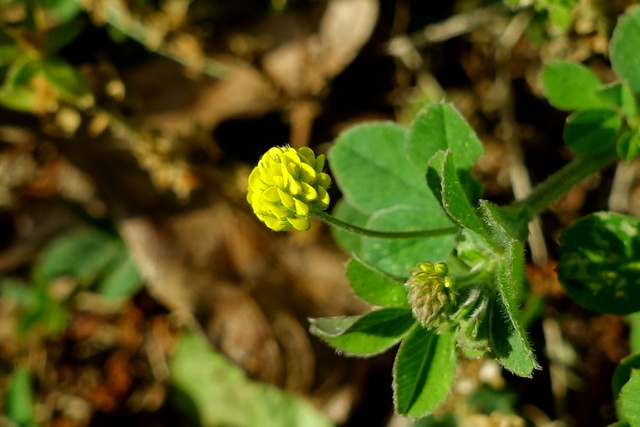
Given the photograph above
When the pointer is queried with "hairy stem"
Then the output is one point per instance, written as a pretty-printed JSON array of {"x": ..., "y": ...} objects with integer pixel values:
[
  {"x": 331, "y": 220},
  {"x": 562, "y": 181}
]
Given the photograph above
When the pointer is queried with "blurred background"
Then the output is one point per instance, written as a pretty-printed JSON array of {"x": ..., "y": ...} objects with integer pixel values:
[{"x": 137, "y": 288}]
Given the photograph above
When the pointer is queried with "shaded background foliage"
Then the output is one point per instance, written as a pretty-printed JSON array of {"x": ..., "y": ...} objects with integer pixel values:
[{"x": 126, "y": 136}]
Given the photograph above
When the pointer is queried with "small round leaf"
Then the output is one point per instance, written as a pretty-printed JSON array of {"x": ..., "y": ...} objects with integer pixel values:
[
  {"x": 600, "y": 263},
  {"x": 622, "y": 373},
  {"x": 570, "y": 86},
  {"x": 624, "y": 49},
  {"x": 628, "y": 145},
  {"x": 591, "y": 131}
]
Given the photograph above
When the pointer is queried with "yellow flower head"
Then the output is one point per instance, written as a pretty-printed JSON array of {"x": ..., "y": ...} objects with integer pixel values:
[{"x": 286, "y": 185}]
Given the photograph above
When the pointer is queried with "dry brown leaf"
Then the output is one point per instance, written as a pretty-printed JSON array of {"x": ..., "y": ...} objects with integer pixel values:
[
  {"x": 305, "y": 64},
  {"x": 177, "y": 104}
]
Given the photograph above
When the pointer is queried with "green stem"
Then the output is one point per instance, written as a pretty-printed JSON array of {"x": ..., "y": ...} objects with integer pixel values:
[
  {"x": 562, "y": 181},
  {"x": 331, "y": 220}
]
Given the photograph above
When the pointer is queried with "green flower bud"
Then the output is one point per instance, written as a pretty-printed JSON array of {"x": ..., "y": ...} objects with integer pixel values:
[
  {"x": 286, "y": 185},
  {"x": 431, "y": 295}
]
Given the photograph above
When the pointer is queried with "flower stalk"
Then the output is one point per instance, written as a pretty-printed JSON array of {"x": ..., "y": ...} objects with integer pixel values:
[
  {"x": 559, "y": 183},
  {"x": 331, "y": 220}
]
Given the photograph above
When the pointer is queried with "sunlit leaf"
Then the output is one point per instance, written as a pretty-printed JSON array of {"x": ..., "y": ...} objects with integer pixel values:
[
  {"x": 629, "y": 399},
  {"x": 83, "y": 254},
  {"x": 423, "y": 371},
  {"x": 623, "y": 371},
  {"x": 441, "y": 127},
  {"x": 507, "y": 337},
  {"x": 19, "y": 406},
  {"x": 508, "y": 340},
  {"x": 373, "y": 172},
  {"x": 455, "y": 199},
  {"x": 570, "y": 86},
  {"x": 350, "y": 242},
  {"x": 122, "y": 279},
  {"x": 365, "y": 335},
  {"x": 398, "y": 256},
  {"x": 213, "y": 391},
  {"x": 63, "y": 10},
  {"x": 67, "y": 81},
  {"x": 624, "y": 49},
  {"x": 374, "y": 286}
]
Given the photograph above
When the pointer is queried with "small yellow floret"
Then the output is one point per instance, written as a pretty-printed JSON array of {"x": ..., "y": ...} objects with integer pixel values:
[{"x": 286, "y": 185}]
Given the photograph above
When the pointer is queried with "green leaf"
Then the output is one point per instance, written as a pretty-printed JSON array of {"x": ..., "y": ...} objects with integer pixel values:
[
  {"x": 366, "y": 335},
  {"x": 423, "y": 371},
  {"x": 474, "y": 249},
  {"x": 599, "y": 263},
  {"x": 349, "y": 242},
  {"x": 63, "y": 10},
  {"x": 83, "y": 254},
  {"x": 487, "y": 399},
  {"x": 375, "y": 287},
  {"x": 434, "y": 175},
  {"x": 22, "y": 72},
  {"x": 622, "y": 373},
  {"x": 506, "y": 226},
  {"x": 507, "y": 336},
  {"x": 473, "y": 333},
  {"x": 122, "y": 279},
  {"x": 29, "y": 21},
  {"x": 397, "y": 256},
  {"x": 624, "y": 49},
  {"x": 373, "y": 172},
  {"x": 19, "y": 406},
  {"x": 9, "y": 50},
  {"x": 628, "y": 145},
  {"x": 18, "y": 292},
  {"x": 618, "y": 96},
  {"x": 560, "y": 13},
  {"x": 216, "y": 393},
  {"x": 42, "y": 310},
  {"x": 634, "y": 333},
  {"x": 630, "y": 399},
  {"x": 570, "y": 86},
  {"x": 441, "y": 127},
  {"x": 67, "y": 81},
  {"x": 455, "y": 200},
  {"x": 64, "y": 34},
  {"x": 17, "y": 93},
  {"x": 592, "y": 131},
  {"x": 19, "y": 99},
  {"x": 508, "y": 344}
]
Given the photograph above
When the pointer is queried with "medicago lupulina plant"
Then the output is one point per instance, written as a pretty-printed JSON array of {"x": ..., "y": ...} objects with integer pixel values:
[{"x": 443, "y": 268}]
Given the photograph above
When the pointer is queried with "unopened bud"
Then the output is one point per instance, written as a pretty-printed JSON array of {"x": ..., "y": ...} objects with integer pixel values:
[{"x": 431, "y": 295}]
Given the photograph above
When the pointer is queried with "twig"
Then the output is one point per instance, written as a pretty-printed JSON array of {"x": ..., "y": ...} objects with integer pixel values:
[
  {"x": 119, "y": 17},
  {"x": 303, "y": 113},
  {"x": 406, "y": 47},
  {"x": 621, "y": 187},
  {"x": 457, "y": 25}
]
